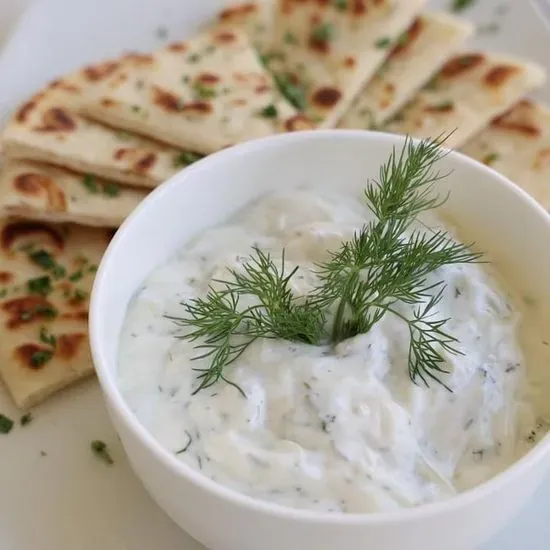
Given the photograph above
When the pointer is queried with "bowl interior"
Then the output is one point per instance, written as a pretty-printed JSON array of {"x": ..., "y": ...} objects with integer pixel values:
[{"x": 502, "y": 220}]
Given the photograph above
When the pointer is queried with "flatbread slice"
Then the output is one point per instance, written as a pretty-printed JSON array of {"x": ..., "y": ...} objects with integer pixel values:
[
  {"x": 47, "y": 128},
  {"x": 256, "y": 19},
  {"x": 517, "y": 144},
  {"x": 470, "y": 90},
  {"x": 418, "y": 54},
  {"x": 324, "y": 52},
  {"x": 46, "y": 275},
  {"x": 203, "y": 94},
  {"x": 42, "y": 192}
]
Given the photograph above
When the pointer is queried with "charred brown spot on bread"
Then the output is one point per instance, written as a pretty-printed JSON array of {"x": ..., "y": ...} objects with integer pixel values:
[
  {"x": 25, "y": 230},
  {"x": 359, "y": 7},
  {"x": 238, "y": 11},
  {"x": 225, "y": 37},
  {"x": 26, "y": 310},
  {"x": 461, "y": 64},
  {"x": 100, "y": 71},
  {"x": 286, "y": 7},
  {"x": 60, "y": 84},
  {"x": 298, "y": 122},
  {"x": 168, "y": 101},
  {"x": 32, "y": 185},
  {"x": 5, "y": 277},
  {"x": 498, "y": 76},
  {"x": 75, "y": 316},
  {"x": 326, "y": 97},
  {"x": 57, "y": 119},
  {"x": 198, "y": 107},
  {"x": 177, "y": 47},
  {"x": 26, "y": 355},
  {"x": 146, "y": 162},
  {"x": 137, "y": 58},
  {"x": 25, "y": 110},
  {"x": 208, "y": 78},
  {"x": 408, "y": 38},
  {"x": 349, "y": 62},
  {"x": 320, "y": 46},
  {"x": 69, "y": 345},
  {"x": 525, "y": 129},
  {"x": 262, "y": 89},
  {"x": 121, "y": 153},
  {"x": 108, "y": 103}
]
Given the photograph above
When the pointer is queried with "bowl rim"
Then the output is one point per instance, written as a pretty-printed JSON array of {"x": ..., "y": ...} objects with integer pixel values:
[{"x": 114, "y": 397}]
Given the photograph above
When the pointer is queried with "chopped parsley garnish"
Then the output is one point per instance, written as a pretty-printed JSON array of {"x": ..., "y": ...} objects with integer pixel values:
[
  {"x": 3, "y": 292},
  {"x": 100, "y": 449},
  {"x": 26, "y": 419},
  {"x": 47, "y": 338},
  {"x": 79, "y": 295},
  {"x": 40, "y": 285},
  {"x": 204, "y": 92},
  {"x": 185, "y": 79},
  {"x": 289, "y": 38},
  {"x": 383, "y": 42},
  {"x": 185, "y": 158},
  {"x": 193, "y": 58},
  {"x": 293, "y": 92},
  {"x": 269, "y": 112},
  {"x": 47, "y": 311},
  {"x": 459, "y": 5},
  {"x": 90, "y": 183},
  {"x": 6, "y": 424},
  {"x": 76, "y": 276},
  {"x": 323, "y": 32},
  {"x": 403, "y": 39},
  {"x": 490, "y": 158},
  {"x": 40, "y": 358},
  {"x": 340, "y": 4},
  {"x": 43, "y": 259},
  {"x": 111, "y": 189},
  {"x": 59, "y": 272}
]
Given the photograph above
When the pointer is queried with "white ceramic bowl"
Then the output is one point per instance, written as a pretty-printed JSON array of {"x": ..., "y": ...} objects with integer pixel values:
[{"x": 503, "y": 220}]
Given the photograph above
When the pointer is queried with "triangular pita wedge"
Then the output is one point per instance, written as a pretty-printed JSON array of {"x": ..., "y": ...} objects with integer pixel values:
[
  {"x": 47, "y": 128},
  {"x": 517, "y": 144},
  {"x": 417, "y": 55},
  {"x": 42, "y": 192},
  {"x": 470, "y": 90},
  {"x": 45, "y": 277},
  {"x": 203, "y": 94},
  {"x": 324, "y": 52},
  {"x": 256, "y": 19}
]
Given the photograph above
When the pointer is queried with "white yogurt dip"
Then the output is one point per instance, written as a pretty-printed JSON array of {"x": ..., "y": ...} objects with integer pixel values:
[{"x": 341, "y": 430}]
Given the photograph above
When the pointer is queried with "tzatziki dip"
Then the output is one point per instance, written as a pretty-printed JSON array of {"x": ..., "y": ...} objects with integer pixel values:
[{"x": 336, "y": 426}]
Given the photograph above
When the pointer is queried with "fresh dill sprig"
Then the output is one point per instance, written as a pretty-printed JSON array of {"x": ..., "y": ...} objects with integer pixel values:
[
  {"x": 367, "y": 278},
  {"x": 225, "y": 329}
]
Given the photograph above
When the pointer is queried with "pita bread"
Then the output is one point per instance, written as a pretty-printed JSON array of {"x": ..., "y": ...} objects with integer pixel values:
[
  {"x": 38, "y": 191},
  {"x": 47, "y": 128},
  {"x": 324, "y": 52},
  {"x": 418, "y": 54},
  {"x": 517, "y": 144},
  {"x": 203, "y": 94},
  {"x": 470, "y": 90},
  {"x": 256, "y": 19},
  {"x": 45, "y": 278}
]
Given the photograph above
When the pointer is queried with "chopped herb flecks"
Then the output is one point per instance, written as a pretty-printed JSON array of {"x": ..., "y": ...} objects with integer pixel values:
[
  {"x": 289, "y": 38},
  {"x": 185, "y": 158},
  {"x": 382, "y": 42},
  {"x": 40, "y": 358},
  {"x": 89, "y": 181},
  {"x": 340, "y": 4},
  {"x": 269, "y": 112},
  {"x": 292, "y": 91},
  {"x": 490, "y": 158},
  {"x": 40, "y": 285},
  {"x": 204, "y": 92},
  {"x": 47, "y": 338},
  {"x": 25, "y": 419},
  {"x": 6, "y": 424},
  {"x": 111, "y": 189},
  {"x": 323, "y": 32},
  {"x": 459, "y": 5},
  {"x": 100, "y": 449},
  {"x": 43, "y": 259}
]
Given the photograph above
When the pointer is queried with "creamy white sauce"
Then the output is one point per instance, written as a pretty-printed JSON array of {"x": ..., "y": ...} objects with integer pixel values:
[{"x": 341, "y": 430}]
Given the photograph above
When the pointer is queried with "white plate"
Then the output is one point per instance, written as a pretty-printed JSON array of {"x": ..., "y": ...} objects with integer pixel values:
[{"x": 69, "y": 500}]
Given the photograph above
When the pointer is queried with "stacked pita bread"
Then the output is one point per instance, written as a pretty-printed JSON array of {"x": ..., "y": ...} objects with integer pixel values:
[{"x": 84, "y": 151}]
